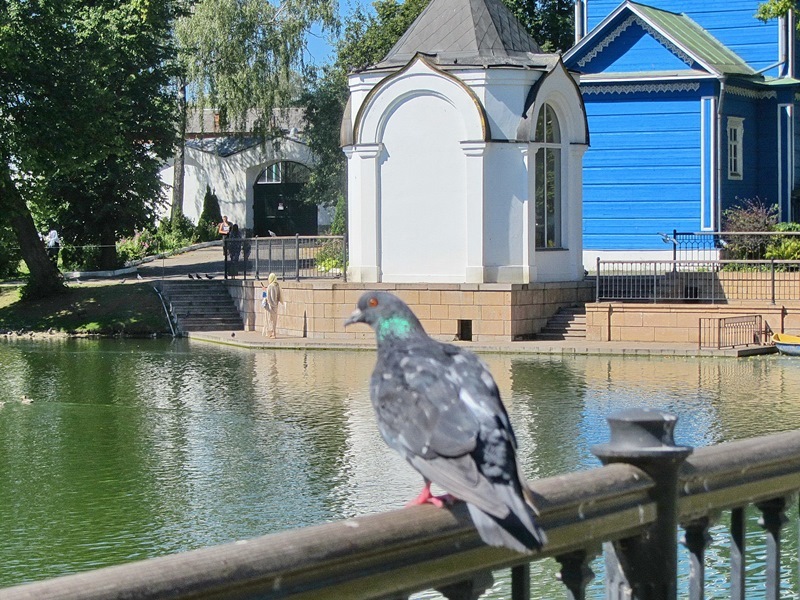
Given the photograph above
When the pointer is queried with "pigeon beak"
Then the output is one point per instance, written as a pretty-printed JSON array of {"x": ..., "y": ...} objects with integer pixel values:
[{"x": 356, "y": 317}]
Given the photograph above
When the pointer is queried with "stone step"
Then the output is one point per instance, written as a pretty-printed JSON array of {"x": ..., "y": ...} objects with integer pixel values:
[
  {"x": 203, "y": 305},
  {"x": 567, "y": 323}
]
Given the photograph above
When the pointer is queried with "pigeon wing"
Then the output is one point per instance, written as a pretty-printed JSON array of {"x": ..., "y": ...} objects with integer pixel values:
[{"x": 434, "y": 408}]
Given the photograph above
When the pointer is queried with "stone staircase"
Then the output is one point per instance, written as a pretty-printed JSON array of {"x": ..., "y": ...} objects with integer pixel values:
[
  {"x": 201, "y": 306},
  {"x": 569, "y": 323}
]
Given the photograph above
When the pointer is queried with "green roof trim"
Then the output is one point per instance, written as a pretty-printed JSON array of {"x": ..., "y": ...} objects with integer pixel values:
[{"x": 693, "y": 39}]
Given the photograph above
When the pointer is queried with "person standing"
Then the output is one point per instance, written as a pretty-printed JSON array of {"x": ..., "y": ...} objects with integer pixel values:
[
  {"x": 53, "y": 243},
  {"x": 234, "y": 249},
  {"x": 271, "y": 297},
  {"x": 224, "y": 230}
]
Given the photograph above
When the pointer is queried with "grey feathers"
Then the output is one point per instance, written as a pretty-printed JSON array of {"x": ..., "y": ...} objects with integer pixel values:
[{"x": 439, "y": 407}]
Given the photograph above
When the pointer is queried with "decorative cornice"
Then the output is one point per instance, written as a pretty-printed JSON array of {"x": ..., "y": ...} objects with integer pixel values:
[
  {"x": 751, "y": 94},
  {"x": 634, "y": 19},
  {"x": 640, "y": 87}
]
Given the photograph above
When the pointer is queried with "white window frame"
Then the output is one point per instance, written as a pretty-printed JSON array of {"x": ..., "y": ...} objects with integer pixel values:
[
  {"x": 548, "y": 152},
  {"x": 735, "y": 148}
]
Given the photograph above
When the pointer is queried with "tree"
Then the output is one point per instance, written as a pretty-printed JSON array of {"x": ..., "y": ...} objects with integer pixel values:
[
  {"x": 86, "y": 120},
  {"x": 772, "y": 9},
  {"x": 242, "y": 56},
  {"x": 550, "y": 22}
]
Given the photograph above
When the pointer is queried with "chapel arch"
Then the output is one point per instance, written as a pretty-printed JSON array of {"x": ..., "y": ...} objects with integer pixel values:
[{"x": 277, "y": 207}]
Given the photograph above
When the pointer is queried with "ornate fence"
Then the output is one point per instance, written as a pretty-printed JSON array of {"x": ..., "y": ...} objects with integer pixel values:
[
  {"x": 296, "y": 257},
  {"x": 731, "y": 332},
  {"x": 633, "y": 506}
]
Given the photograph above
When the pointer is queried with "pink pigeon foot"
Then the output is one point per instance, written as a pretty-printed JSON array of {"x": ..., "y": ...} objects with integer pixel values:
[{"x": 426, "y": 497}]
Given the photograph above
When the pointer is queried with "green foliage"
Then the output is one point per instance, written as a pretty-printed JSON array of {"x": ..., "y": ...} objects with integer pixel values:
[
  {"x": 550, "y": 22},
  {"x": 784, "y": 247},
  {"x": 339, "y": 224},
  {"x": 9, "y": 254},
  {"x": 329, "y": 256},
  {"x": 772, "y": 9},
  {"x": 751, "y": 215},
  {"x": 87, "y": 116},
  {"x": 210, "y": 217},
  {"x": 173, "y": 234},
  {"x": 137, "y": 247},
  {"x": 244, "y": 55}
]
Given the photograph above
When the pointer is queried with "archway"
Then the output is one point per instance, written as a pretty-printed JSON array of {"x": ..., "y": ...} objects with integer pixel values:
[{"x": 276, "y": 204}]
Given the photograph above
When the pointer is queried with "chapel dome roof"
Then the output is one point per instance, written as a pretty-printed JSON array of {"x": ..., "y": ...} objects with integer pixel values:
[{"x": 466, "y": 32}]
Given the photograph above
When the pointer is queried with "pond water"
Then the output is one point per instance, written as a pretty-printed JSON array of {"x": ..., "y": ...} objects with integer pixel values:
[{"x": 134, "y": 449}]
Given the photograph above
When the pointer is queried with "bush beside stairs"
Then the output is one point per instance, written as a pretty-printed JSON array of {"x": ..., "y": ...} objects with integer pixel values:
[
  {"x": 568, "y": 323},
  {"x": 203, "y": 305}
]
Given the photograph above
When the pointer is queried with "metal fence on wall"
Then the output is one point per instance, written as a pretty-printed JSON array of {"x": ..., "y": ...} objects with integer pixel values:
[
  {"x": 707, "y": 281},
  {"x": 296, "y": 257}
]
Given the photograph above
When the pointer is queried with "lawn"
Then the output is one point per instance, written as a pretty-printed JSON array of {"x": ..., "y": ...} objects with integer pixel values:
[{"x": 92, "y": 308}]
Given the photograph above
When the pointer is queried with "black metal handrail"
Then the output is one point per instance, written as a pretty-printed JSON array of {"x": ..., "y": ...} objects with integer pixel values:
[
  {"x": 710, "y": 281},
  {"x": 289, "y": 257},
  {"x": 633, "y": 505}
]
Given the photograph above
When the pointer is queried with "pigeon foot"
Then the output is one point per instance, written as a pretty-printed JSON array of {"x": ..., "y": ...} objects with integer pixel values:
[{"x": 426, "y": 497}]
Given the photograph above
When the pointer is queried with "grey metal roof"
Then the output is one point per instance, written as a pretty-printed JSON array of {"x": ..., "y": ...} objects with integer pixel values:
[{"x": 466, "y": 32}]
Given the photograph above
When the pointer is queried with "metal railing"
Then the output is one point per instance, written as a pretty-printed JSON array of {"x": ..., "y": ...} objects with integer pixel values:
[
  {"x": 711, "y": 245},
  {"x": 294, "y": 257},
  {"x": 634, "y": 505},
  {"x": 708, "y": 281},
  {"x": 731, "y": 332}
]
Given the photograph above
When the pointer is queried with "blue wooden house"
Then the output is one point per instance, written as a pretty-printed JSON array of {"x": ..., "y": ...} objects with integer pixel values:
[{"x": 691, "y": 107}]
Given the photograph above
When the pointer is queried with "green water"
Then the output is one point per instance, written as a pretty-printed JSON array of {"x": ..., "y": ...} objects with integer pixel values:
[{"x": 135, "y": 449}]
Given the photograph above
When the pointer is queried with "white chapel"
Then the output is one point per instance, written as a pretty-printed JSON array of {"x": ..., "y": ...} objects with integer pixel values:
[{"x": 465, "y": 148}]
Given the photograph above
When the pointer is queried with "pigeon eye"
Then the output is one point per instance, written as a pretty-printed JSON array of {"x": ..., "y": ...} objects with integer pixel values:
[{"x": 373, "y": 302}]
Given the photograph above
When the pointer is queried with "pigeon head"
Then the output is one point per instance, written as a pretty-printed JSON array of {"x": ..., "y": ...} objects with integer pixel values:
[{"x": 388, "y": 316}]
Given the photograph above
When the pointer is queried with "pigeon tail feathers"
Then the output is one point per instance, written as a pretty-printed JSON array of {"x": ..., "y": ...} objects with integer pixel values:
[{"x": 517, "y": 531}]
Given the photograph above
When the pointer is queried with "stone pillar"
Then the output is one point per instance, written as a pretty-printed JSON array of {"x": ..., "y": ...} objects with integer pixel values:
[
  {"x": 474, "y": 153},
  {"x": 363, "y": 217}
]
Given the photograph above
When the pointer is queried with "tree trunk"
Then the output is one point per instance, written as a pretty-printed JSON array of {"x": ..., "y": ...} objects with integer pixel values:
[
  {"x": 180, "y": 151},
  {"x": 108, "y": 250},
  {"x": 45, "y": 278}
]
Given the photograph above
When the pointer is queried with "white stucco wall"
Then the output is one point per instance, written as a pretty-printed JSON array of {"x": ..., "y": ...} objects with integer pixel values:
[
  {"x": 440, "y": 188},
  {"x": 231, "y": 177}
]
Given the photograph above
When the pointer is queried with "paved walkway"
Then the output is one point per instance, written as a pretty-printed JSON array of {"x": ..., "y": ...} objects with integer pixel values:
[{"x": 208, "y": 259}]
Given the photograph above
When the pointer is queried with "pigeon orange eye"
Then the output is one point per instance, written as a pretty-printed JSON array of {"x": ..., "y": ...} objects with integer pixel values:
[{"x": 373, "y": 302}]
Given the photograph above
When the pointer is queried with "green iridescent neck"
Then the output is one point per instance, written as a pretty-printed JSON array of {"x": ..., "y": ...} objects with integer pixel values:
[{"x": 395, "y": 326}]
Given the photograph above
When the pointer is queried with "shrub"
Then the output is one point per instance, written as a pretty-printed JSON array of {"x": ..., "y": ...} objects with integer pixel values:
[
  {"x": 137, "y": 247},
  {"x": 175, "y": 233},
  {"x": 784, "y": 247},
  {"x": 210, "y": 217},
  {"x": 751, "y": 215}
]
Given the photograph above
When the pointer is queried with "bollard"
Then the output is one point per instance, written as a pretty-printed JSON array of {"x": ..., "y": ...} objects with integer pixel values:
[{"x": 646, "y": 567}]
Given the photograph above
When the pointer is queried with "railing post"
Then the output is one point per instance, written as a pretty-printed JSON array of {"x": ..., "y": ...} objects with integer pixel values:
[
  {"x": 575, "y": 573},
  {"x": 255, "y": 267},
  {"x": 772, "y": 520},
  {"x": 696, "y": 540},
  {"x": 344, "y": 257},
  {"x": 772, "y": 279},
  {"x": 738, "y": 541},
  {"x": 471, "y": 589},
  {"x": 597, "y": 282},
  {"x": 297, "y": 256},
  {"x": 646, "y": 567}
]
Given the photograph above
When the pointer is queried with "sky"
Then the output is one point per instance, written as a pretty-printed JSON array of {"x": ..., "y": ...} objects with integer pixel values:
[{"x": 319, "y": 49}]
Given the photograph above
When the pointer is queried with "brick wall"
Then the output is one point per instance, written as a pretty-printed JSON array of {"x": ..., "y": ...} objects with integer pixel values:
[
  {"x": 493, "y": 311},
  {"x": 677, "y": 323}
]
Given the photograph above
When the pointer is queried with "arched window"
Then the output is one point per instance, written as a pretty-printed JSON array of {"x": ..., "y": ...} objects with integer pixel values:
[{"x": 547, "y": 173}]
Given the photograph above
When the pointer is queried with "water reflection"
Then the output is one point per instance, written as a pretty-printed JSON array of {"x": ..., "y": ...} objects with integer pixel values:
[{"x": 134, "y": 449}]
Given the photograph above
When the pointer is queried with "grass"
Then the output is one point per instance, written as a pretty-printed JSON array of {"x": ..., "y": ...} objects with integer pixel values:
[{"x": 98, "y": 308}]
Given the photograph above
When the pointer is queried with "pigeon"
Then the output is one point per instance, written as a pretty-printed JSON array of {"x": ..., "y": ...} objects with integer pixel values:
[
  {"x": 438, "y": 406},
  {"x": 197, "y": 276},
  {"x": 191, "y": 276},
  {"x": 123, "y": 280},
  {"x": 139, "y": 276},
  {"x": 209, "y": 276}
]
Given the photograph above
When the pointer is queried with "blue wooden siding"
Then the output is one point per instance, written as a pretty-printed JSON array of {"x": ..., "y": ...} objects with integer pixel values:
[
  {"x": 635, "y": 51},
  {"x": 642, "y": 170},
  {"x": 752, "y": 184},
  {"x": 730, "y": 21}
]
